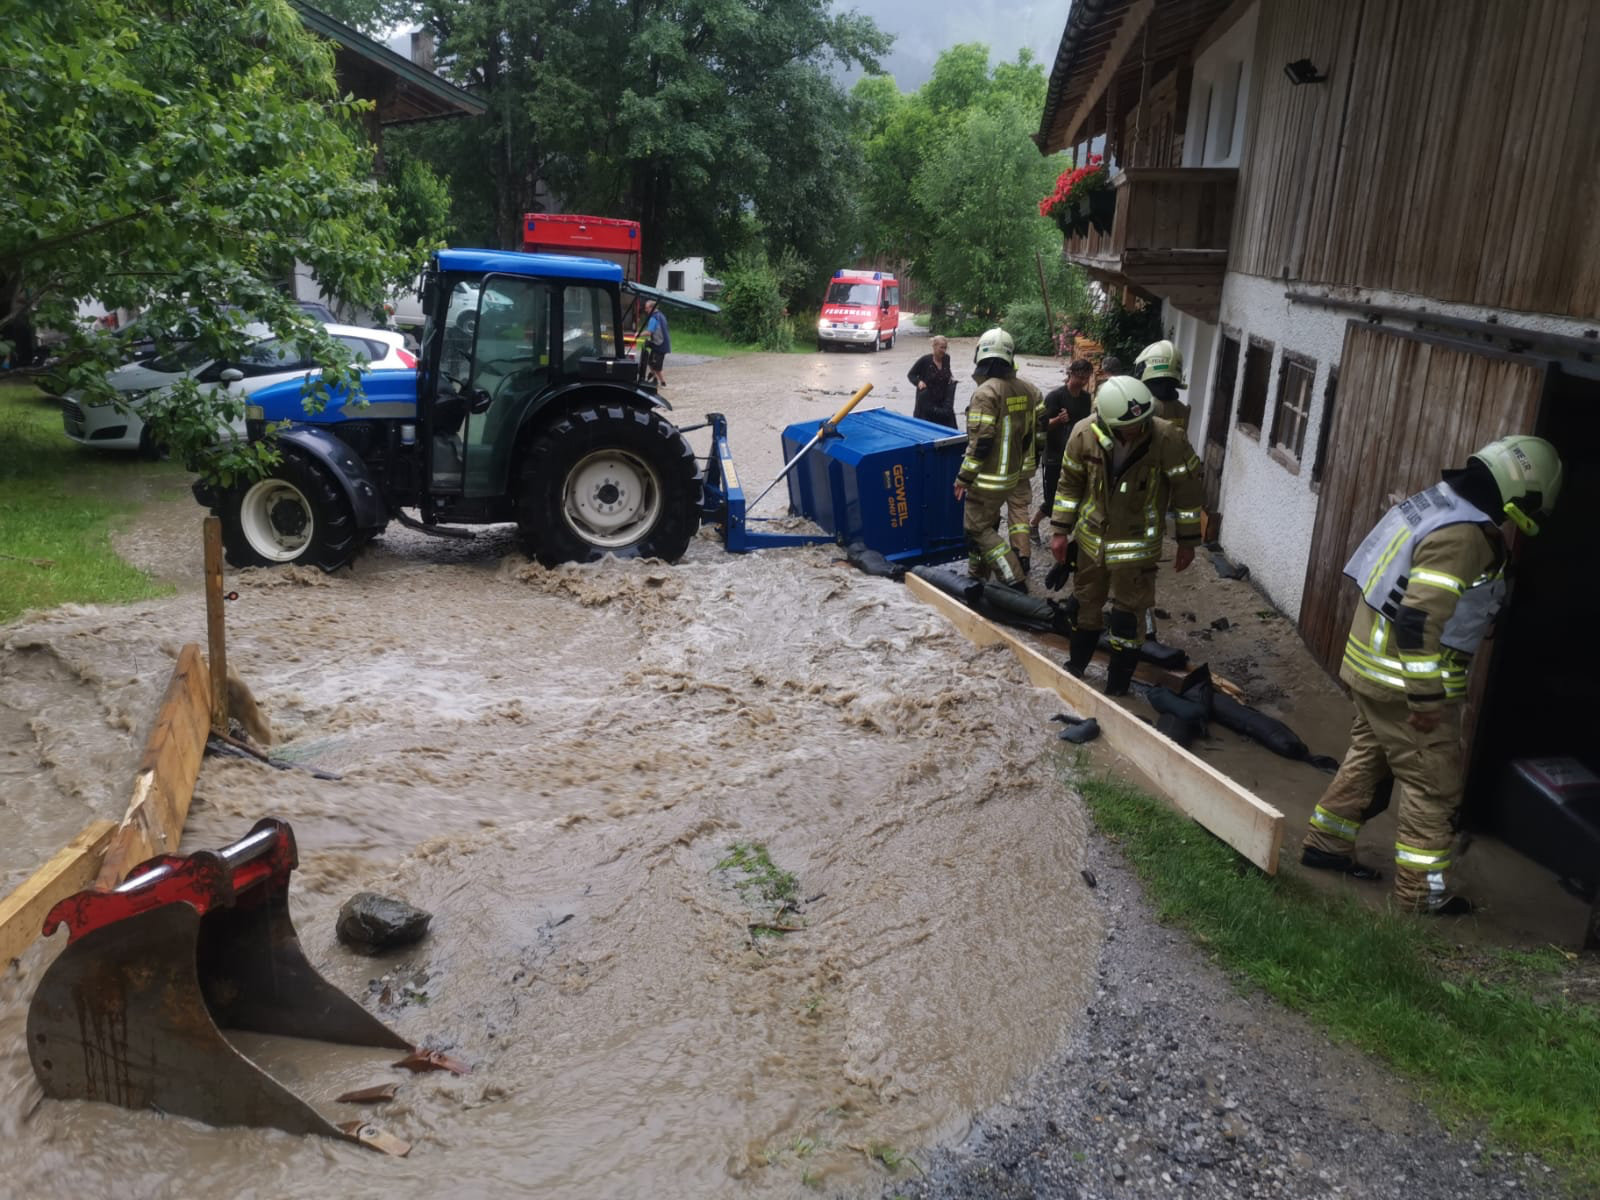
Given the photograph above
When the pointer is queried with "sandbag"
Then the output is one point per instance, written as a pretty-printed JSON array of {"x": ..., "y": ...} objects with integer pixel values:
[
  {"x": 1183, "y": 708},
  {"x": 1168, "y": 658},
  {"x": 1269, "y": 731},
  {"x": 998, "y": 602},
  {"x": 1179, "y": 729},
  {"x": 873, "y": 563}
]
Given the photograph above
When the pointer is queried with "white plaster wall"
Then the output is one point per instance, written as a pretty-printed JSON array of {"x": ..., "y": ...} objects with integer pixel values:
[
  {"x": 694, "y": 277},
  {"x": 1198, "y": 342},
  {"x": 1269, "y": 511},
  {"x": 1220, "y": 96}
]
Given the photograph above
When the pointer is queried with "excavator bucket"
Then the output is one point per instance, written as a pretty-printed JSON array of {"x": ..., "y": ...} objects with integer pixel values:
[{"x": 135, "y": 1010}]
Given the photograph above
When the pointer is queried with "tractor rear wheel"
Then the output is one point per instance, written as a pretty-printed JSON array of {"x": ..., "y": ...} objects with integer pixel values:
[
  {"x": 609, "y": 479},
  {"x": 293, "y": 514}
]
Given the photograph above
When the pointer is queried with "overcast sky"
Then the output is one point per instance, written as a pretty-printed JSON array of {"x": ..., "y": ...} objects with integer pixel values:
[{"x": 923, "y": 29}]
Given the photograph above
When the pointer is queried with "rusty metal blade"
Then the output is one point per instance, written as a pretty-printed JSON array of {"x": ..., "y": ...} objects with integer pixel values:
[
  {"x": 433, "y": 1060},
  {"x": 375, "y": 1138},
  {"x": 380, "y": 1093}
]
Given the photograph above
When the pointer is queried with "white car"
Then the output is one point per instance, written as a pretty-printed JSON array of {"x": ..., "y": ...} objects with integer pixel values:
[{"x": 270, "y": 360}]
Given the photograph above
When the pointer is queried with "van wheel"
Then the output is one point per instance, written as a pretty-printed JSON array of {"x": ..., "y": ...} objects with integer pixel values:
[
  {"x": 877, "y": 344},
  {"x": 609, "y": 479}
]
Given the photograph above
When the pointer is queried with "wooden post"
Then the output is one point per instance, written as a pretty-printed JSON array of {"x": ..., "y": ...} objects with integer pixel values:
[
  {"x": 1044, "y": 292},
  {"x": 216, "y": 640}
]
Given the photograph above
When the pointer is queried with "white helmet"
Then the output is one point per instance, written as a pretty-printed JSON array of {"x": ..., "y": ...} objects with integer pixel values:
[
  {"x": 996, "y": 343},
  {"x": 1122, "y": 400},
  {"x": 1527, "y": 470},
  {"x": 1160, "y": 360}
]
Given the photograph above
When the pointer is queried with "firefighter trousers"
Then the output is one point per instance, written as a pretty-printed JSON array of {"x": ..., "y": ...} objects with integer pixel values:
[
  {"x": 987, "y": 551},
  {"x": 1132, "y": 589},
  {"x": 1019, "y": 515},
  {"x": 1427, "y": 765}
]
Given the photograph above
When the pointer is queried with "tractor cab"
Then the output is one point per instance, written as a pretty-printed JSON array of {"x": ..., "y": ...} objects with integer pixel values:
[{"x": 499, "y": 345}]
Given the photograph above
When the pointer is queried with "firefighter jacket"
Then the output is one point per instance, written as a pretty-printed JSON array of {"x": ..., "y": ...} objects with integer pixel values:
[
  {"x": 1432, "y": 579},
  {"x": 999, "y": 434},
  {"x": 1119, "y": 517}
]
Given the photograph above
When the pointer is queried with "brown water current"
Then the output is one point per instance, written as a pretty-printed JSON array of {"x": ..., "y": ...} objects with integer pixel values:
[{"x": 554, "y": 762}]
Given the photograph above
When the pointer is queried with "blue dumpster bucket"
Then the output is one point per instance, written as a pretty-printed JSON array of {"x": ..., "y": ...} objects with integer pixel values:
[{"x": 886, "y": 481}]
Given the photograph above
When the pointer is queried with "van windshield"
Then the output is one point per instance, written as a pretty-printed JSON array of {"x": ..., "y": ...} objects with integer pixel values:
[{"x": 864, "y": 294}]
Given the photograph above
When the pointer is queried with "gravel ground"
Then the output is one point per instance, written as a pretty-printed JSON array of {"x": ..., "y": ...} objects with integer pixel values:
[{"x": 1176, "y": 1083}]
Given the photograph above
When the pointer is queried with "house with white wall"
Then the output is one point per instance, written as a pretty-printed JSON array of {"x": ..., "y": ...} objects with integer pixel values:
[
  {"x": 687, "y": 277},
  {"x": 1373, "y": 227}
]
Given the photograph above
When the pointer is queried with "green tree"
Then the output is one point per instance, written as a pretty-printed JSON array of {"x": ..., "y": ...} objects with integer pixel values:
[
  {"x": 954, "y": 180},
  {"x": 177, "y": 158},
  {"x": 683, "y": 116}
]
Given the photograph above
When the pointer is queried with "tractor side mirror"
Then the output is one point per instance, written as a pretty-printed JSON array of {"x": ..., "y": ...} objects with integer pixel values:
[{"x": 481, "y": 399}]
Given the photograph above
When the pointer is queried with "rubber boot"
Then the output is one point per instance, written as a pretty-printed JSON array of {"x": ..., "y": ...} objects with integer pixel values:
[
  {"x": 1119, "y": 671},
  {"x": 1084, "y": 643},
  {"x": 1027, "y": 565}
]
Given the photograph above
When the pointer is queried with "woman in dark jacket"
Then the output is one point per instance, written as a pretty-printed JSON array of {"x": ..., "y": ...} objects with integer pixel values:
[{"x": 936, "y": 387}]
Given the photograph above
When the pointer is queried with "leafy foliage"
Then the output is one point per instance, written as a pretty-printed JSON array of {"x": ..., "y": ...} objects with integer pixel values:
[
  {"x": 1123, "y": 331},
  {"x": 177, "y": 158},
  {"x": 954, "y": 181},
  {"x": 752, "y": 302}
]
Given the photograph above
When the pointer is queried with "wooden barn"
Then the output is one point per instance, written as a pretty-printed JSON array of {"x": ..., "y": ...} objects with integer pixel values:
[{"x": 1374, "y": 229}]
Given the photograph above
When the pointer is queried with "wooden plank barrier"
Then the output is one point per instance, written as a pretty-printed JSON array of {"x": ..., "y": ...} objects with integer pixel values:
[
  {"x": 1247, "y": 823},
  {"x": 153, "y": 823},
  {"x": 105, "y": 851},
  {"x": 72, "y": 869}
]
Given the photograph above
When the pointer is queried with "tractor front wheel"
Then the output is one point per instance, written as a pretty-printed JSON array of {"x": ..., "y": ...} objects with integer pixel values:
[
  {"x": 609, "y": 479},
  {"x": 293, "y": 514}
]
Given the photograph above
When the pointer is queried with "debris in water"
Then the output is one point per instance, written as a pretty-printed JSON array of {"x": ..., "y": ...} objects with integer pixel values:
[
  {"x": 370, "y": 923},
  {"x": 379, "y": 1139},
  {"x": 380, "y": 1093},
  {"x": 433, "y": 1060},
  {"x": 1080, "y": 732}
]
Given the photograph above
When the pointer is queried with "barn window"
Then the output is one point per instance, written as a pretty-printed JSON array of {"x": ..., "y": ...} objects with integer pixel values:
[
  {"x": 1257, "y": 379},
  {"x": 1325, "y": 432},
  {"x": 1296, "y": 376}
]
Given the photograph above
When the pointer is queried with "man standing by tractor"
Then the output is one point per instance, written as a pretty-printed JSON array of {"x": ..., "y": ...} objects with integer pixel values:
[
  {"x": 1431, "y": 575},
  {"x": 1000, "y": 423},
  {"x": 1122, "y": 470},
  {"x": 658, "y": 343},
  {"x": 1160, "y": 368}
]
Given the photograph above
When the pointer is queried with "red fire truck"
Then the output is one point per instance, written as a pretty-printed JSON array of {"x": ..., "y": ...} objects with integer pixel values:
[{"x": 609, "y": 238}]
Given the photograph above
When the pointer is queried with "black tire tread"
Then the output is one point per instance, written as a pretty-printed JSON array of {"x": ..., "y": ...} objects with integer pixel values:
[{"x": 336, "y": 539}]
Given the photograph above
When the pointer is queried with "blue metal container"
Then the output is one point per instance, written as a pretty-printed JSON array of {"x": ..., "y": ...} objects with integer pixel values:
[{"x": 887, "y": 480}]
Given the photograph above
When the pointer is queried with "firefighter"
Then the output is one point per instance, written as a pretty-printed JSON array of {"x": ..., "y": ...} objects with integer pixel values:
[
  {"x": 999, "y": 438},
  {"x": 1019, "y": 504},
  {"x": 1160, "y": 368},
  {"x": 1431, "y": 575},
  {"x": 1122, "y": 470}
]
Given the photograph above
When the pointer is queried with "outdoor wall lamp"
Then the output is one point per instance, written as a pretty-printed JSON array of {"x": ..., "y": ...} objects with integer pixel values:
[{"x": 1303, "y": 70}]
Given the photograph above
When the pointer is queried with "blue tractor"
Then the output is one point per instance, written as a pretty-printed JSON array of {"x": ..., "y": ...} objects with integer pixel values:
[{"x": 524, "y": 408}]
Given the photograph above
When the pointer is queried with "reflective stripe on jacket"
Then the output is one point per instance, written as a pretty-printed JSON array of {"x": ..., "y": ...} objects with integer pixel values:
[
  {"x": 1119, "y": 518},
  {"x": 999, "y": 434},
  {"x": 1431, "y": 575}
]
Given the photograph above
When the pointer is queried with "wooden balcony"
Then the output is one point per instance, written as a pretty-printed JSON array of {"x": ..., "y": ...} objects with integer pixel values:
[{"x": 1170, "y": 236}]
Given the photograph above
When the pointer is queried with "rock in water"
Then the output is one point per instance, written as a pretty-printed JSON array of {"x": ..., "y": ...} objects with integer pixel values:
[{"x": 370, "y": 923}]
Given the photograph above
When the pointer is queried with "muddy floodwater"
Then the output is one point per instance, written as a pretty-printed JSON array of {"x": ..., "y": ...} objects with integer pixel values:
[{"x": 555, "y": 763}]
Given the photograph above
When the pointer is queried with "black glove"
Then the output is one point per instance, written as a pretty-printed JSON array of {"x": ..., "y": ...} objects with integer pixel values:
[{"x": 1058, "y": 576}]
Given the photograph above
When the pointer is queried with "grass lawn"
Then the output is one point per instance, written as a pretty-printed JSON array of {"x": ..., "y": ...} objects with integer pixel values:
[
  {"x": 57, "y": 505},
  {"x": 714, "y": 345},
  {"x": 1488, "y": 1039}
]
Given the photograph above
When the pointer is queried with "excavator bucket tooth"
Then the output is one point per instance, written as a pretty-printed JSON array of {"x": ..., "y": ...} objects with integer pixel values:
[{"x": 135, "y": 1010}]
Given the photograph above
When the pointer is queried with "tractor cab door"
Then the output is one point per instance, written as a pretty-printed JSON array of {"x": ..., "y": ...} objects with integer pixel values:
[{"x": 495, "y": 358}]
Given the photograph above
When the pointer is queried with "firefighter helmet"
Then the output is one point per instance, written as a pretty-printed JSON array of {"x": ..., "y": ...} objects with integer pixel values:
[
  {"x": 1527, "y": 470},
  {"x": 1122, "y": 400},
  {"x": 1160, "y": 360},
  {"x": 996, "y": 343}
]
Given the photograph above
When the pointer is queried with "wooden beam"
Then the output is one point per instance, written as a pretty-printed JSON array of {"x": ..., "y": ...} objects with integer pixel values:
[
  {"x": 1250, "y": 825},
  {"x": 72, "y": 869},
  {"x": 164, "y": 785},
  {"x": 1132, "y": 23},
  {"x": 216, "y": 627}
]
